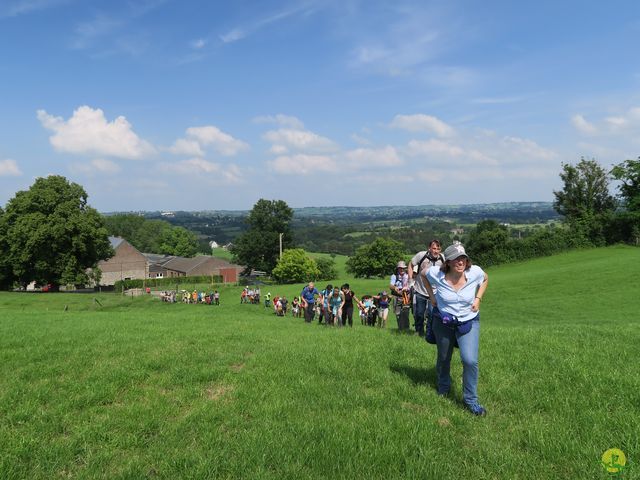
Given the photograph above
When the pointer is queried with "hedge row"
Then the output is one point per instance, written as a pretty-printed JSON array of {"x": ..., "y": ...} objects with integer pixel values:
[
  {"x": 166, "y": 282},
  {"x": 495, "y": 246}
]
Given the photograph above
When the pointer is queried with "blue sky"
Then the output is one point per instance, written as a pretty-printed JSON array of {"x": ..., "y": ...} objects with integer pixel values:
[{"x": 199, "y": 105}]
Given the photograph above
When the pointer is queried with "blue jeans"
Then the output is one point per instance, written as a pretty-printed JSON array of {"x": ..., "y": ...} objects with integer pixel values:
[
  {"x": 419, "y": 312},
  {"x": 468, "y": 344}
]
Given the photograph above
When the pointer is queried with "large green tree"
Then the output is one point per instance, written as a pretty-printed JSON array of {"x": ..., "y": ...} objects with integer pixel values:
[
  {"x": 327, "y": 268},
  {"x": 489, "y": 243},
  {"x": 179, "y": 241},
  {"x": 628, "y": 174},
  {"x": 627, "y": 224},
  {"x": 585, "y": 201},
  {"x": 259, "y": 247},
  {"x": 295, "y": 267},
  {"x": 52, "y": 235},
  {"x": 376, "y": 259},
  {"x": 153, "y": 236},
  {"x": 6, "y": 273}
]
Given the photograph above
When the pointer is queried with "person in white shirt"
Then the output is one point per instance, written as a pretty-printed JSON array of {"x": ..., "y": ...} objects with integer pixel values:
[{"x": 459, "y": 288}]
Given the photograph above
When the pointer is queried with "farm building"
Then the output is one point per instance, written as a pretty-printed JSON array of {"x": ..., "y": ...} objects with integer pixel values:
[
  {"x": 129, "y": 263},
  {"x": 167, "y": 266}
]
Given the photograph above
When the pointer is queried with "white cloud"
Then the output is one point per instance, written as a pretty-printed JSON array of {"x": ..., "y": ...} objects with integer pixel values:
[
  {"x": 238, "y": 33},
  {"x": 360, "y": 140},
  {"x": 528, "y": 148},
  {"x": 233, "y": 36},
  {"x": 434, "y": 147},
  {"x": 445, "y": 153},
  {"x": 200, "y": 165},
  {"x": 302, "y": 164},
  {"x": 582, "y": 125},
  {"x": 621, "y": 123},
  {"x": 96, "y": 166},
  {"x": 369, "y": 157},
  {"x": 188, "y": 147},
  {"x": 409, "y": 39},
  {"x": 282, "y": 120},
  {"x": 357, "y": 160},
  {"x": 302, "y": 140},
  {"x": 278, "y": 149},
  {"x": 386, "y": 179},
  {"x": 88, "y": 132},
  {"x": 9, "y": 168},
  {"x": 422, "y": 123},
  {"x": 222, "y": 142},
  {"x": 217, "y": 173},
  {"x": 22, "y": 7},
  {"x": 616, "y": 123}
]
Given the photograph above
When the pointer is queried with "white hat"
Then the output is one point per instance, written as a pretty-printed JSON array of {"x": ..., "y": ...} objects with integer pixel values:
[{"x": 454, "y": 251}]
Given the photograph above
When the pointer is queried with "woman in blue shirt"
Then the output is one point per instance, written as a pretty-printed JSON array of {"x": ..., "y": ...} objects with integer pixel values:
[{"x": 459, "y": 287}]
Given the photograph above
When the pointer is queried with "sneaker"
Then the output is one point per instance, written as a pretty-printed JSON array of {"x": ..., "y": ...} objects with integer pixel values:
[{"x": 477, "y": 409}]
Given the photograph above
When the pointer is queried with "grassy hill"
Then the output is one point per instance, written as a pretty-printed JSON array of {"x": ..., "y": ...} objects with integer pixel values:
[
  {"x": 340, "y": 262},
  {"x": 134, "y": 388}
]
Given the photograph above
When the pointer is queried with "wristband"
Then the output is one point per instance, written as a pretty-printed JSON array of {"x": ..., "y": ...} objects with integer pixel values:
[{"x": 479, "y": 298}]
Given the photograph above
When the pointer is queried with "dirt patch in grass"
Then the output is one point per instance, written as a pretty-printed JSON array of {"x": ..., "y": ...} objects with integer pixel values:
[
  {"x": 444, "y": 422},
  {"x": 236, "y": 367},
  {"x": 218, "y": 392}
]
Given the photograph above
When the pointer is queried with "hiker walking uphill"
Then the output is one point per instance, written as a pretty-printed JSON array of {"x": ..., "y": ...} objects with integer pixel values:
[
  {"x": 308, "y": 298},
  {"x": 418, "y": 266},
  {"x": 399, "y": 285},
  {"x": 347, "y": 308},
  {"x": 456, "y": 299},
  {"x": 324, "y": 304}
]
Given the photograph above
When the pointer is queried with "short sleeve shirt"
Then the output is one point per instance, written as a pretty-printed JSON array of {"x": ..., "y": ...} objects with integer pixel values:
[
  {"x": 419, "y": 286},
  {"x": 309, "y": 295},
  {"x": 400, "y": 281},
  {"x": 456, "y": 303}
]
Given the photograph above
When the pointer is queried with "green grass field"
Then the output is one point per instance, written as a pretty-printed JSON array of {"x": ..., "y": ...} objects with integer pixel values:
[
  {"x": 136, "y": 388},
  {"x": 222, "y": 253}
]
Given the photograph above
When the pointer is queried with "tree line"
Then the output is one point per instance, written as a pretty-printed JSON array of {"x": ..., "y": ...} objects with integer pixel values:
[
  {"x": 591, "y": 215},
  {"x": 49, "y": 234}
]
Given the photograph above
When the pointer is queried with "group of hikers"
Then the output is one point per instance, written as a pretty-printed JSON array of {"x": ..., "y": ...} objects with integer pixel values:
[
  {"x": 444, "y": 291},
  {"x": 336, "y": 305},
  {"x": 333, "y": 306},
  {"x": 211, "y": 298},
  {"x": 250, "y": 295}
]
